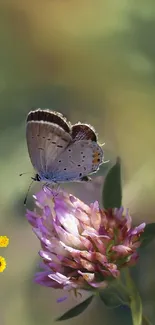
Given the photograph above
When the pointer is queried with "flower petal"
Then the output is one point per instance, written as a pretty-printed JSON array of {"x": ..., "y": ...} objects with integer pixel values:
[
  {"x": 95, "y": 215},
  {"x": 122, "y": 250}
]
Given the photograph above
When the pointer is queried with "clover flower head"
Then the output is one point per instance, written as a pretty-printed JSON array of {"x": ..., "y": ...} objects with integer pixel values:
[{"x": 82, "y": 247}]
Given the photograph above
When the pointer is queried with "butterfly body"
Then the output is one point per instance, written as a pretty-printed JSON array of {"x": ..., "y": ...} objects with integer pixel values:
[{"x": 61, "y": 152}]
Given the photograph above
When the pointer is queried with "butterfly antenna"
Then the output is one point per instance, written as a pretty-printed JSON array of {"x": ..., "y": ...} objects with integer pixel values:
[
  {"x": 24, "y": 173},
  {"x": 25, "y": 200}
]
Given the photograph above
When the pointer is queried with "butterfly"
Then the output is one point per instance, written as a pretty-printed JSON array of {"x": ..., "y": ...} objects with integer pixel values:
[{"x": 59, "y": 151}]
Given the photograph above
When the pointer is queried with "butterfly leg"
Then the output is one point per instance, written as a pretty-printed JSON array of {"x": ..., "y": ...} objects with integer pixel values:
[
  {"x": 46, "y": 186},
  {"x": 53, "y": 188},
  {"x": 56, "y": 188},
  {"x": 85, "y": 179}
]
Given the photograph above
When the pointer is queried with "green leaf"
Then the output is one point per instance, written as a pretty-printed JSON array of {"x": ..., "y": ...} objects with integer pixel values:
[
  {"x": 112, "y": 189},
  {"x": 135, "y": 300},
  {"x": 114, "y": 296},
  {"x": 148, "y": 235},
  {"x": 102, "y": 171},
  {"x": 77, "y": 310}
]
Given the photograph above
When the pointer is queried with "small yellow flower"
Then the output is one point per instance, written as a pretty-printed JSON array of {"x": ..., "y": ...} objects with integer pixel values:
[
  {"x": 4, "y": 241},
  {"x": 2, "y": 263}
]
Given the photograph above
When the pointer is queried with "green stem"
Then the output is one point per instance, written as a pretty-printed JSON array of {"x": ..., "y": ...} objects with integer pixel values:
[
  {"x": 135, "y": 305},
  {"x": 145, "y": 320},
  {"x": 135, "y": 300}
]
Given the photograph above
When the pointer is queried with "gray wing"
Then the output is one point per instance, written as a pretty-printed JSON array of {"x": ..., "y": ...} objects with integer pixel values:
[
  {"x": 79, "y": 159},
  {"x": 45, "y": 142}
]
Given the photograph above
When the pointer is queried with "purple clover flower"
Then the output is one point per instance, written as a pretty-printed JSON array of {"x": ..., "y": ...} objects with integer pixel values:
[{"x": 82, "y": 247}]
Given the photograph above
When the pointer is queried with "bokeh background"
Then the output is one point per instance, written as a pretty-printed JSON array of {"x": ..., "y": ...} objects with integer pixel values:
[{"x": 94, "y": 61}]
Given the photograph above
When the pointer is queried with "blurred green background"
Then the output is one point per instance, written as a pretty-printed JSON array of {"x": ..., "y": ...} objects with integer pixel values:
[{"x": 94, "y": 61}]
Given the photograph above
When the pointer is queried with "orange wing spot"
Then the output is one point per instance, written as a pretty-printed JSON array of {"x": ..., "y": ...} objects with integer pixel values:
[
  {"x": 96, "y": 158},
  {"x": 96, "y": 154},
  {"x": 96, "y": 161}
]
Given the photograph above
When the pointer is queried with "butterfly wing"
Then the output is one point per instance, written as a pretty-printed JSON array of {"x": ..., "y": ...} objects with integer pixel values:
[
  {"x": 79, "y": 159},
  {"x": 82, "y": 131},
  {"x": 46, "y": 139}
]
